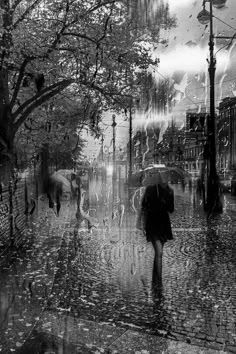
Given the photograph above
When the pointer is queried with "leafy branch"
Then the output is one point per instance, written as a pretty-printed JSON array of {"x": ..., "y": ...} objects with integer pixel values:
[
  {"x": 15, "y": 4},
  {"x": 80, "y": 35},
  {"x": 101, "y": 4},
  {"x": 27, "y": 12},
  {"x": 28, "y": 106},
  {"x": 19, "y": 80}
]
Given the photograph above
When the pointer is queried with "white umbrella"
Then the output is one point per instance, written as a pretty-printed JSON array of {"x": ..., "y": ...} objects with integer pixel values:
[{"x": 58, "y": 178}]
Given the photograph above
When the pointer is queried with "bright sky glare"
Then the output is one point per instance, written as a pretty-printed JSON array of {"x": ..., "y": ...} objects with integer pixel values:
[
  {"x": 174, "y": 4},
  {"x": 189, "y": 59}
]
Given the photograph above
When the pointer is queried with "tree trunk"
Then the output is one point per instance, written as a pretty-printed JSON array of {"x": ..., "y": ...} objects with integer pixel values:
[
  {"x": 6, "y": 120},
  {"x": 7, "y": 134}
]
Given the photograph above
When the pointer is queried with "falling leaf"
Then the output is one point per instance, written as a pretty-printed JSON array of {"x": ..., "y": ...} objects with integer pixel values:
[{"x": 89, "y": 345}]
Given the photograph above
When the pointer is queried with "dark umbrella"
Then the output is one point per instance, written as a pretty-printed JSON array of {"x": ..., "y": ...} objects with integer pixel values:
[
  {"x": 150, "y": 174},
  {"x": 177, "y": 174},
  {"x": 153, "y": 175}
]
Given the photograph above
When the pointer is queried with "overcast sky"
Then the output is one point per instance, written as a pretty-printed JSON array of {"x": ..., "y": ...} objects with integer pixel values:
[
  {"x": 188, "y": 50},
  {"x": 184, "y": 60}
]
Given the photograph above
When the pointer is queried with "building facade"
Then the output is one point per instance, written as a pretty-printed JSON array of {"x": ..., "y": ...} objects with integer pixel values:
[
  {"x": 226, "y": 128},
  {"x": 148, "y": 150},
  {"x": 170, "y": 151},
  {"x": 195, "y": 140}
]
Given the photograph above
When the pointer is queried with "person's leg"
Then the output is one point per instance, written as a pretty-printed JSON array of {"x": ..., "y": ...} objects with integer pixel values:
[
  {"x": 157, "y": 266},
  {"x": 58, "y": 198},
  {"x": 50, "y": 201}
]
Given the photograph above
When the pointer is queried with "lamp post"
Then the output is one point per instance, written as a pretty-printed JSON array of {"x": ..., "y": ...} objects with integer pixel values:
[
  {"x": 113, "y": 161},
  {"x": 102, "y": 152},
  {"x": 213, "y": 202},
  {"x": 130, "y": 141},
  {"x": 114, "y": 144}
]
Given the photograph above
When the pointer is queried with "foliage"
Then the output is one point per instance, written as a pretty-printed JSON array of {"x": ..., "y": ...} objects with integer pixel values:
[
  {"x": 91, "y": 50},
  {"x": 56, "y": 125}
]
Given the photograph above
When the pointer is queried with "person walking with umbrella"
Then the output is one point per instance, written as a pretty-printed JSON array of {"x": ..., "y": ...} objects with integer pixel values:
[{"x": 154, "y": 220}]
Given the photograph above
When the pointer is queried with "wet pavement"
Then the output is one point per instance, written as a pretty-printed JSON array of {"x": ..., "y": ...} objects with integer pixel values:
[
  {"x": 27, "y": 276},
  {"x": 75, "y": 291},
  {"x": 58, "y": 333}
]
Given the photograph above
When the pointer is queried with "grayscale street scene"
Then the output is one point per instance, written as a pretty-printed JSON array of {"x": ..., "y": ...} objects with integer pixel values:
[{"x": 117, "y": 176}]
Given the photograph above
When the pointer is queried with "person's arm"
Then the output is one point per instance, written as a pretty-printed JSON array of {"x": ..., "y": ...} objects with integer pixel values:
[
  {"x": 170, "y": 200},
  {"x": 171, "y": 206},
  {"x": 167, "y": 199},
  {"x": 141, "y": 214}
]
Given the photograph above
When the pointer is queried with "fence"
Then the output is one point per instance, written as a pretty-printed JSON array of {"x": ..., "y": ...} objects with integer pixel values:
[{"x": 18, "y": 195}]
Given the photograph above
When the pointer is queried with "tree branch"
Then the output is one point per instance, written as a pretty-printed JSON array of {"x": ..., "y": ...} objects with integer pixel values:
[
  {"x": 113, "y": 96},
  {"x": 16, "y": 3},
  {"x": 27, "y": 11},
  {"x": 99, "y": 40},
  {"x": 61, "y": 84},
  {"x": 60, "y": 33},
  {"x": 101, "y": 4},
  {"x": 76, "y": 145},
  {"x": 80, "y": 36},
  {"x": 19, "y": 80},
  {"x": 38, "y": 102},
  {"x": 106, "y": 26}
]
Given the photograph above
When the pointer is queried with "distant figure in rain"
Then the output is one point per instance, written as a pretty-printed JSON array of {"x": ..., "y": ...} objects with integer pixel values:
[
  {"x": 81, "y": 214},
  {"x": 200, "y": 190},
  {"x": 154, "y": 220},
  {"x": 53, "y": 184},
  {"x": 50, "y": 185}
]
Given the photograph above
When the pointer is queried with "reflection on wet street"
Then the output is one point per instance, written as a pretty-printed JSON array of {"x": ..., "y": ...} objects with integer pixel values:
[
  {"x": 26, "y": 278},
  {"x": 105, "y": 275},
  {"x": 109, "y": 276}
]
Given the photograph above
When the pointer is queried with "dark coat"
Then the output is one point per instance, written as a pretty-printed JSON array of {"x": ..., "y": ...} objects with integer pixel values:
[{"x": 155, "y": 209}]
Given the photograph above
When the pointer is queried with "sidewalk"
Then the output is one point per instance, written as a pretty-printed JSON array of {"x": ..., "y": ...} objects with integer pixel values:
[
  {"x": 27, "y": 276},
  {"x": 61, "y": 333},
  {"x": 29, "y": 327}
]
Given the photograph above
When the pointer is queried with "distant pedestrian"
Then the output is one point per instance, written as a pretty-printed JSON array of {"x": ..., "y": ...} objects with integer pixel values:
[
  {"x": 157, "y": 203},
  {"x": 200, "y": 188}
]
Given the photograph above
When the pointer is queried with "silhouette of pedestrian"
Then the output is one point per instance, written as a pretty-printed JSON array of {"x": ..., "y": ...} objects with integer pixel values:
[{"x": 157, "y": 203}]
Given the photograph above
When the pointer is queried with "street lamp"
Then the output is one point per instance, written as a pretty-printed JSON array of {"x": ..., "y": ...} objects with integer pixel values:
[
  {"x": 130, "y": 140},
  {"x": 213, "y": 201},
  {"x": 102, "y": 151},
  {"x": 203, "y": 16},
  {"x": 219, "y": 3},
  {"x": 114, "y": 143},
  {"x": 113, "y": 160}
]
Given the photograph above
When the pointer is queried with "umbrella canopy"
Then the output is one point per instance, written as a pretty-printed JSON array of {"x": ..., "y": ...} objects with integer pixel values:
[
  {"x": 155, "y": 176},
  {"x": 150, "y": 180},
  {"x": 59, "y": 178},
  {"x": 65, "y": 173},
  {"x": 177, "y": 174},
  {"x": 158, "y": 174},
  {"x": 161, "y": 174}
]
